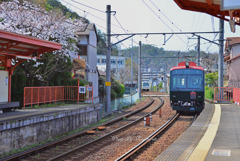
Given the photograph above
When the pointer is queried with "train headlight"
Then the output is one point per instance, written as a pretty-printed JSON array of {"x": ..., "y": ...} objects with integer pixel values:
[{"x": 187, "y": 64}]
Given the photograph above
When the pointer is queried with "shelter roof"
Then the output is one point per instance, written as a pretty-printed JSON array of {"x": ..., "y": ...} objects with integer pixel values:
[
  {"x": 211, "y": 7},
  {"x": 13, "y": 45}
]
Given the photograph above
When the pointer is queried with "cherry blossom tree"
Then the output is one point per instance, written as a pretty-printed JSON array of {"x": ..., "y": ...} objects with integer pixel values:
[{"x": 33, "y": 20}]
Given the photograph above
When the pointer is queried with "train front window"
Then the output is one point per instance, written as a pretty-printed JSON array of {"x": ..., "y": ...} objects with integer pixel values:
[
  {"x": 186, "y": 79},
  {"x": 179, "y": 81},
  {"x": 145, "y": 84}
]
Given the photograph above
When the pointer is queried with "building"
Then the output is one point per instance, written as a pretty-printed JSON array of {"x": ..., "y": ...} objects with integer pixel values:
[
  {"x": 117, "y": 63},
  {"x": 88, "y": 50},
  {"x": 232, "y": 58}
]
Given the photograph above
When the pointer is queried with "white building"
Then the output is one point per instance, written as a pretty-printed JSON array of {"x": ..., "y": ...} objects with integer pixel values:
[
  {"x": 117, "y": 63},
  {"x": 88, "y": 50}
]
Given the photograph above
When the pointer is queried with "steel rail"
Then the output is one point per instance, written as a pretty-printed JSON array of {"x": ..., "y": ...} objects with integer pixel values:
[
  {"x": 54, "y": 143},
  {"x": 135, "y": 149},
  {"x": 59, "y": 157}
]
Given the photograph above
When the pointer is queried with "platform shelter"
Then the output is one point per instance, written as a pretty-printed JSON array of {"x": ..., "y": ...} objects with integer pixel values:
[
  {"x": 215, "y": 8},
  {"x": 15, "y": 49}
]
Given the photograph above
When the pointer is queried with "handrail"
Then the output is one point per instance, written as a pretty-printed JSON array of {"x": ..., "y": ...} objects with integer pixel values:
[{"x": 50, "y": 94}]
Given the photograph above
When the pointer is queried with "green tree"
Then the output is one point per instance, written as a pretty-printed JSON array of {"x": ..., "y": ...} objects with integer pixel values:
[{"x": 211, "y": 79}]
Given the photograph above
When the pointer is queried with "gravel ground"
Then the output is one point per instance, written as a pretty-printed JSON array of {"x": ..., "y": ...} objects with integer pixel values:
[
  {"x": 165, "y": 140},
  {"x": 127, "y": 139}
]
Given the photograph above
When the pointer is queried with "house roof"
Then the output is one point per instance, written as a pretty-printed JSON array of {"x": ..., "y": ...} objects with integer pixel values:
[
  {"x": 232, "y": 41},
  {"x": 86, "y": 31},
  {"x": 102, "y": 73},
  {"x": 211, "y": 7}
]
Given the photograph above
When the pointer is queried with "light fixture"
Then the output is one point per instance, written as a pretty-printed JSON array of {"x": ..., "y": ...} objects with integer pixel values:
[{"x": 187, "y": 64}]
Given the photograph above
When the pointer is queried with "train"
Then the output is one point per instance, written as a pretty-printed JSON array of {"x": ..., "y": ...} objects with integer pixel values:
[
  {"x": 145, "y": 86},
  {"x": 187, "y": 88}
]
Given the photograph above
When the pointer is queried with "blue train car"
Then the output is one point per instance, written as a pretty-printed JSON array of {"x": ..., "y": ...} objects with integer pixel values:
[{"x": 187, "y": 88}]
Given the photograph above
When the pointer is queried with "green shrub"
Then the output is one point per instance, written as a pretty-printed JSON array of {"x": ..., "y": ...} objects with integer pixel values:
[{"x": 209, "y": 93}]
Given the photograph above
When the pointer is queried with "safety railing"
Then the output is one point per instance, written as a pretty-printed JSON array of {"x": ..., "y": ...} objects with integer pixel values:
[
  {"x": 53, "y": 94},
  {"x": 223, "y": 94}
]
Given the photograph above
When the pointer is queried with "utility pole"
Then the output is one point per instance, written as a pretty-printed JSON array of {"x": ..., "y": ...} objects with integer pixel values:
[
  {"x": 108, "y": 61},
  {"x": 139, "y": 70},
  {"x": 220, "y": 57},
  {"x": 198, "y": 52},
  {"x": 131, "y": 70}
]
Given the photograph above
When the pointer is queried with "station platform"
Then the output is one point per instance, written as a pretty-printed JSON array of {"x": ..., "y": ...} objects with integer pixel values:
[
  {"x": 214, "y": 136},
  {"x": 34, "y": 112},
  {"x": 28, "y": 127}
]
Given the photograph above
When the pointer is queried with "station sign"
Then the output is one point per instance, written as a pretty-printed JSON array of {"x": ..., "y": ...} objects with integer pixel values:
[
  {"x": 82, "y": 89},
  {"x": 230, "y": 4}
]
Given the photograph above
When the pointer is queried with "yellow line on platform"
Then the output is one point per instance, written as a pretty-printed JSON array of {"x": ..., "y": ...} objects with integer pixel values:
[{"x": 201, "y": 151}]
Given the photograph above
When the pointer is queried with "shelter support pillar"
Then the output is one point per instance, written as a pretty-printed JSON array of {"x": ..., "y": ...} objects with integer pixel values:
[{"x": 220, "y": 56}]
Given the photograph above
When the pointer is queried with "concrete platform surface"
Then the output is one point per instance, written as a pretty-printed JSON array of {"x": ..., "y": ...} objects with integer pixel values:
[
  {"x": 214, "y": 136},
  {"x": 226, "y": 145}
]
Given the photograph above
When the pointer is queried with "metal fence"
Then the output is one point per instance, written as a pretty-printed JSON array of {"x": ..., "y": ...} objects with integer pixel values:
[
  {"x": 53, "y": 94},
  {"x": 120, "y": 103},
  {"x": 223, "y": 94}
]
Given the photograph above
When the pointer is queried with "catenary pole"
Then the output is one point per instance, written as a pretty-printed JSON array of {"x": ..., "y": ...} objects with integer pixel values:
[
  {"x": 198, "y": 52},
  {"x": 131, "y": 70},
  {"x": 139, "y": 69},
  {"x": 220, "y": 57},
  {"x": 108, "y": 61}
]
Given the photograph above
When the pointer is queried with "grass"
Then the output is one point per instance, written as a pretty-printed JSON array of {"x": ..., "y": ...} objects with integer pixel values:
[
  {"x": 209, "y": 92},
  {"x": 47, "y": 105}
]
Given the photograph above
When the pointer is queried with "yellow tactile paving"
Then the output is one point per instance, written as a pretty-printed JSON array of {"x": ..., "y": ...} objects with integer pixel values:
[{"x": 201, "y": 151}]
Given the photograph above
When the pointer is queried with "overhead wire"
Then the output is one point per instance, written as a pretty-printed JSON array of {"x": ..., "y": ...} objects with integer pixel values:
[
  {"x": 90, "y": 14},
  {"x": 169, "y": 20},
  {"x": 202, "y": 22},
  {"x": 120, "y": 26},
  {"x": 88, "y": 6},
  {"x": 163, "y": 21},
  {"x": 164, "y": 15},
  {"x": 213, "y": 27}
]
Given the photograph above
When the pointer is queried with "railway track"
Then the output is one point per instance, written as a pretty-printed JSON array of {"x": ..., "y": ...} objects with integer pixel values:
[
  {"x": 90, "y": 147},
  {"x": 135, "y": 151},
  {"x": 72, "y": 138}
]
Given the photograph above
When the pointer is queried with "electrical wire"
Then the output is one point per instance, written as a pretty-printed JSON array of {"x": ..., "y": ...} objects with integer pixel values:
[
  {"x": 119, "y": 23},
  {"x": 163, "y": 21},
  {"x": 120, "y": 26},
  {"x": 91, "y": 14},
  {"x": 88, "y": 6},
  {"x": 165, "y": 15}
]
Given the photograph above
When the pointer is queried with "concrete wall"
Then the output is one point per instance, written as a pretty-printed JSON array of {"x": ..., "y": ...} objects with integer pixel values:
[{"x": 24, "y": 132}]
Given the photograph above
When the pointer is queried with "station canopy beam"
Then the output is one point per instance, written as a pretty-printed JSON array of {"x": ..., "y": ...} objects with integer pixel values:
[
  {"x": 212, "y": 7},
  {"x": 164, "y": 34},
  {"x": 19, "y": 48}
]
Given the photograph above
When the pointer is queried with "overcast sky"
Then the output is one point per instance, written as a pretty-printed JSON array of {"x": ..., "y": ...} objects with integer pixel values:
[{"x": 144, "y": 16}]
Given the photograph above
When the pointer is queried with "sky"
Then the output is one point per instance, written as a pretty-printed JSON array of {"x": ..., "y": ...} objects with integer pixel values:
[{"x": 143, "y": 16}]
